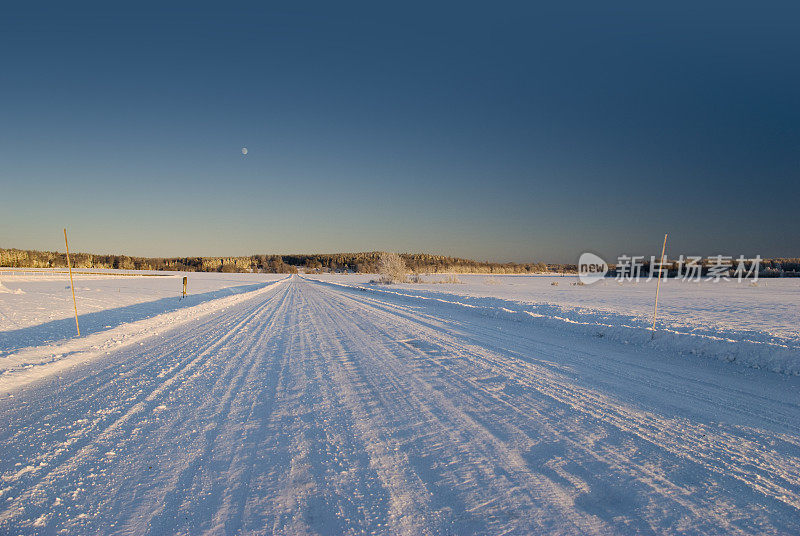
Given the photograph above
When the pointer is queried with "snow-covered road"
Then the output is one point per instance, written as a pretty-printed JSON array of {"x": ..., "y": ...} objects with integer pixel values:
[{"x": 312, "y": 408}]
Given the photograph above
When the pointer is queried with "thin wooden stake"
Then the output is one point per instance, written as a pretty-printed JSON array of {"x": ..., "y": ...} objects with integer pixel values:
[
  {"x": 658, "y": 284},
  {"x": 72, "y": 285}
]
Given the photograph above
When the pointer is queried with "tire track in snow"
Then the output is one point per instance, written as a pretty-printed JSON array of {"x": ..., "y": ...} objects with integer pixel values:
[
  {"x": 727, "y": 453},
  {"x": 489, "y": 488},
  {"x": 408, "y": 509},
  {"x": 200, "y": 486},
  {"x": 330, "y": 486}
]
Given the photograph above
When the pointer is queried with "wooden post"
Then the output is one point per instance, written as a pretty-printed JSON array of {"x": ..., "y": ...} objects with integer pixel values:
[
  {"x": 72, "y": 285},
  {"x": 658, "y": 284},
  {"x": 184, "y": 285}
]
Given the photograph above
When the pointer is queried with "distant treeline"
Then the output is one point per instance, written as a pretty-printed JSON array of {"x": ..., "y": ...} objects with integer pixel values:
[
  {"x": 366, "y": 262},
  {"x": 337, "y": 262}
]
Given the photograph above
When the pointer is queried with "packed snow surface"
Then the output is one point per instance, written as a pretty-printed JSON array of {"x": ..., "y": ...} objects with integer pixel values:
[{"x": 336, "y": 407}]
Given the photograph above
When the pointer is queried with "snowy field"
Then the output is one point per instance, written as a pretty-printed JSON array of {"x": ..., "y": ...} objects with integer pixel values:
[
  {"x": 32, "y": 297},
  {"x": 324, "y": 405},
  {"x": 36, "y": 305}
]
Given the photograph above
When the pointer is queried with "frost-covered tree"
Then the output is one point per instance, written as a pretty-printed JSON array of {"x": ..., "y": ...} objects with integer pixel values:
[{"x": 392, "y": 268}]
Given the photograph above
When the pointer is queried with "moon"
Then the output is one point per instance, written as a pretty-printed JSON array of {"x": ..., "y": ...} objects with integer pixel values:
[{"x": 244, "y": 150}]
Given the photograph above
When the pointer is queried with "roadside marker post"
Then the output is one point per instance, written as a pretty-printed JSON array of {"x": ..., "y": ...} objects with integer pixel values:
[
  {"x": 658, "y": 285},
  {"x": 184, "y": 286},
  {"x": 72, "y": 285}
]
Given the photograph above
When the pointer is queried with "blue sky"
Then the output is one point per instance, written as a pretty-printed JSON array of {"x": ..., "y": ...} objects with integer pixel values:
[{"x": 504, "y": 131}]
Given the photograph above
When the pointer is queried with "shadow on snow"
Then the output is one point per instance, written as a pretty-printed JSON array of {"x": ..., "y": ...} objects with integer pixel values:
[{"x": 55, "y": 330}]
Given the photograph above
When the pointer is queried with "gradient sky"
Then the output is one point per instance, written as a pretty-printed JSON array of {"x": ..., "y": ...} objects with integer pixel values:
[{"x": 495, "y": 131}]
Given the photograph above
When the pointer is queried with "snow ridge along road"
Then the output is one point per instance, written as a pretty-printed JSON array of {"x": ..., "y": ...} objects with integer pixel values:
[{"x": 314, "y": 409}]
